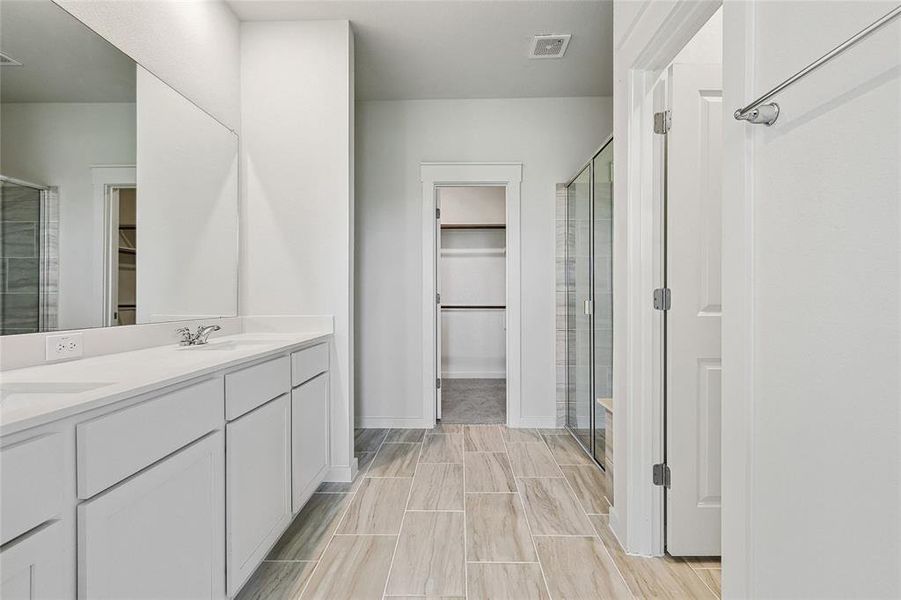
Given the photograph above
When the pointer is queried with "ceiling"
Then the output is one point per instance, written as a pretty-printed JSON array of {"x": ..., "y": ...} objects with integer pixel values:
[
  {"x": 62, "y": 60},
  {"x": 417, "y": 49}
]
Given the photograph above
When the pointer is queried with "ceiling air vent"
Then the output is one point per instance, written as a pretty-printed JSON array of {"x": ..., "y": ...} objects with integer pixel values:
[
  {"x": 7, "y": 61},
  {"x": 549, "y": 46}
]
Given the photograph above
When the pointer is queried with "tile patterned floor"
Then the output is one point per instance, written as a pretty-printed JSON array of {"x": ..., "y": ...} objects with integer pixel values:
[{"x": 467, "y": 511}]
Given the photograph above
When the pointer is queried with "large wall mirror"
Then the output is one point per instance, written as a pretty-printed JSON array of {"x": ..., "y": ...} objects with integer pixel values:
[{"x": 118, "y": 196}]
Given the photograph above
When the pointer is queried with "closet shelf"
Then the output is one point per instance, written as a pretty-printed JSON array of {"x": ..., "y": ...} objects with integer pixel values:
[{"x": 473, "y": 251}]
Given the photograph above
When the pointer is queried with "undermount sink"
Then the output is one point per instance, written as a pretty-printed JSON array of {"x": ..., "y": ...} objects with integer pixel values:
[
  {"x": 225, "y": 345},
  {"x": 26, "y": 388}
]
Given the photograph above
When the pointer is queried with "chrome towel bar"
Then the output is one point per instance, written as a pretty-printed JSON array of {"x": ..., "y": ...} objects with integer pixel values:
[{"x": 766, "y": 114}]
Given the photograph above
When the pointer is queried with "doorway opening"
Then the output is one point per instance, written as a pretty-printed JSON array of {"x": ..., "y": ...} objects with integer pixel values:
[
  {"x": 472, "y": 300},
  {"x": 471, "y": 293},
  {"x": 688, "y": 112}
]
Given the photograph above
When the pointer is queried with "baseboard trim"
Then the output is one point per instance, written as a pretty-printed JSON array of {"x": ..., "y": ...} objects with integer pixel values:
[
  {"x": 393, "y": 422},
  {"x": 342, "y": 474}
]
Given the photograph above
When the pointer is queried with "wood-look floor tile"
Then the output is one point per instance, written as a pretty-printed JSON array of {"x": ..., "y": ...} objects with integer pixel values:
[
  {"x": 354, "y": 566},
  {"x": 516, "y": 434},
  {"x": 590, "y": 485},
  {"x": 551, "y": 507},
  {"x": 579, "y": 567},
  {"x": 437, "y": 487},
  {"x": 496, "y": 529},
  {"x": 277, "y": 581},
  {"x": 713, "y": 578},
  {"x": 498, "y": 581},
  {"x": 446, "y": 428},
  {"x": 364, "y": 459},
  {"x": 553, "y": 431},
  {"x": 311, "y": 529},
  {"x": 377, "y": 507},
  {"x": 429, "y": 556},
  {"x": 567, "y": 451},
  {"x": 405, "y": 435},
  {"x": 651, "y": 577},
  {"x": 703, "y": 562},
  {"x": 442, "y": 448},
  {"x": 488, "y": 472},
  {"x": 483, "y": 438},
  {"x": 530, "y": 459},
  {"x": 395, "y": 460},
  {"x": 368, "y": 440}
]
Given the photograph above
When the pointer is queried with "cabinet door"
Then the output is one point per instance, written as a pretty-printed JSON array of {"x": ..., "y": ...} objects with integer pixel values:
[
  {"x": 258, "y": 480},
  {"x": 32, "y": 568},
  {"x": 159, "y": 534},
  {"x": 309, "y": 431}
]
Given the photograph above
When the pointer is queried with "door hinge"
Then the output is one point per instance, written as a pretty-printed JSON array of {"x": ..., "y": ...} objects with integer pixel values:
[
  {"x": 663, "y": 299},
  {"x": 437, "y": 213},
  {"x": 663, "y": 122},
  {"x": 438, "y": 383},
  {"x": 438, "y": 298},
  {"x": 662, "y": 475}
]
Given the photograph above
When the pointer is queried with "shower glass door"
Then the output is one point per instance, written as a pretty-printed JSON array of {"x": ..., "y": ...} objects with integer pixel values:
[
  {"x": 589, "y": 301},
  {"x": 580, "y": 395},
  {"x": 602, "y": 259}
]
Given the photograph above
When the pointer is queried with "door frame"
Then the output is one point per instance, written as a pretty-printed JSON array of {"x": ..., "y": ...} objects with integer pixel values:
[
  {"x": 107, "y": 178},
  {"x": 650, "y": 43},
  {"x": 443, "y": 174}
]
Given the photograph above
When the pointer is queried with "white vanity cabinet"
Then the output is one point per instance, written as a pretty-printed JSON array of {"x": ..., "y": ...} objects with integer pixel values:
[
  {"x": 258, "y": 465},
  {"x": 177, "y": 491},
  {"x": 158, "y": 534}
]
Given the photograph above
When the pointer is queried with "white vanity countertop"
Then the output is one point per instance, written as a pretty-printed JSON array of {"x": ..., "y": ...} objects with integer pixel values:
[{"x": 38, "y": 395}]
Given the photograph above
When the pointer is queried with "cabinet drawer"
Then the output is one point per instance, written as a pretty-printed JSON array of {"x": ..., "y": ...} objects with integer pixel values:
[
  {"x": 308, "y": 363},
  {"x": 254, "y": 386},
  {"x": 31, "y": 480},
  {"x": 114, "y": 446}
]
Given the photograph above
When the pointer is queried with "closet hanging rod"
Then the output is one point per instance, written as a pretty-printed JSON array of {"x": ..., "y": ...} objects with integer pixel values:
[{"x": 759, "y": 113}]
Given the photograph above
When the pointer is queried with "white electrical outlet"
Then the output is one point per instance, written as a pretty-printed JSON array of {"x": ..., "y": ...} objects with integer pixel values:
[{"x": 64, "y": 346}]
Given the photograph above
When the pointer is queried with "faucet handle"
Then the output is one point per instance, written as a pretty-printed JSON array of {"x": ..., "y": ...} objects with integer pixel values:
[{"x": 185, "y": 334}]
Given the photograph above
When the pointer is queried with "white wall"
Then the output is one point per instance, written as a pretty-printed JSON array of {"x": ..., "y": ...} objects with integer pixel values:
[
  {"x": 297, "y": 172},
  {"x": 552, "y": 137},
  {"x": 187, "y": 174},
  {"x": 193, "y": 45},
  {"x": 56, "y": 144},
  {"x": 811, "y": 331}
]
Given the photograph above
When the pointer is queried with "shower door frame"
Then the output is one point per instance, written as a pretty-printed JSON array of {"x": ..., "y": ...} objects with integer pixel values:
[
  {"x": 592, "y": 421},
  {"x": 43, "y": 216}
]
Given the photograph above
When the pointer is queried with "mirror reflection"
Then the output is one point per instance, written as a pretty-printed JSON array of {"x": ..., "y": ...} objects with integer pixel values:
[{"x": 118, "y": 196}]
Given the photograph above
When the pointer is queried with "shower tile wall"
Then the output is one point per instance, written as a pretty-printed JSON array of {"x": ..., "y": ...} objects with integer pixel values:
[
  {"x": 20, "y": 217},
  {"x": 561, "y": 304}
]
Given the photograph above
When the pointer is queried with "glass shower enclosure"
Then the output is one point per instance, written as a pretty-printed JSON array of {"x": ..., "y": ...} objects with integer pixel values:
[{"x": 589, "y": 300}]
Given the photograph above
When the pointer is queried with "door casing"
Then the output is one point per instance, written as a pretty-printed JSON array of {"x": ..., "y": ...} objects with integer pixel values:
[{"x": 444, "y": 174}]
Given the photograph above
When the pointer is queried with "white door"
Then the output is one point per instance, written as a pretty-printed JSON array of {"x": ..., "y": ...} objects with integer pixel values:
[
  {"x": 694, "y": 358},
  {"x": 438, "y": 322},
  {"x": 258, "y": 486},
  {"x": 159, "y": 534}
]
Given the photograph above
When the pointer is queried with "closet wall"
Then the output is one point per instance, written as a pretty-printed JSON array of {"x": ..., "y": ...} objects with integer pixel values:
[{"x": 473, "y": 277}]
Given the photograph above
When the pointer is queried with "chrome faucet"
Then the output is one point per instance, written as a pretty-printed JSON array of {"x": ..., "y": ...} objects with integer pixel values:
[{"x": 199, "y": 337}]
